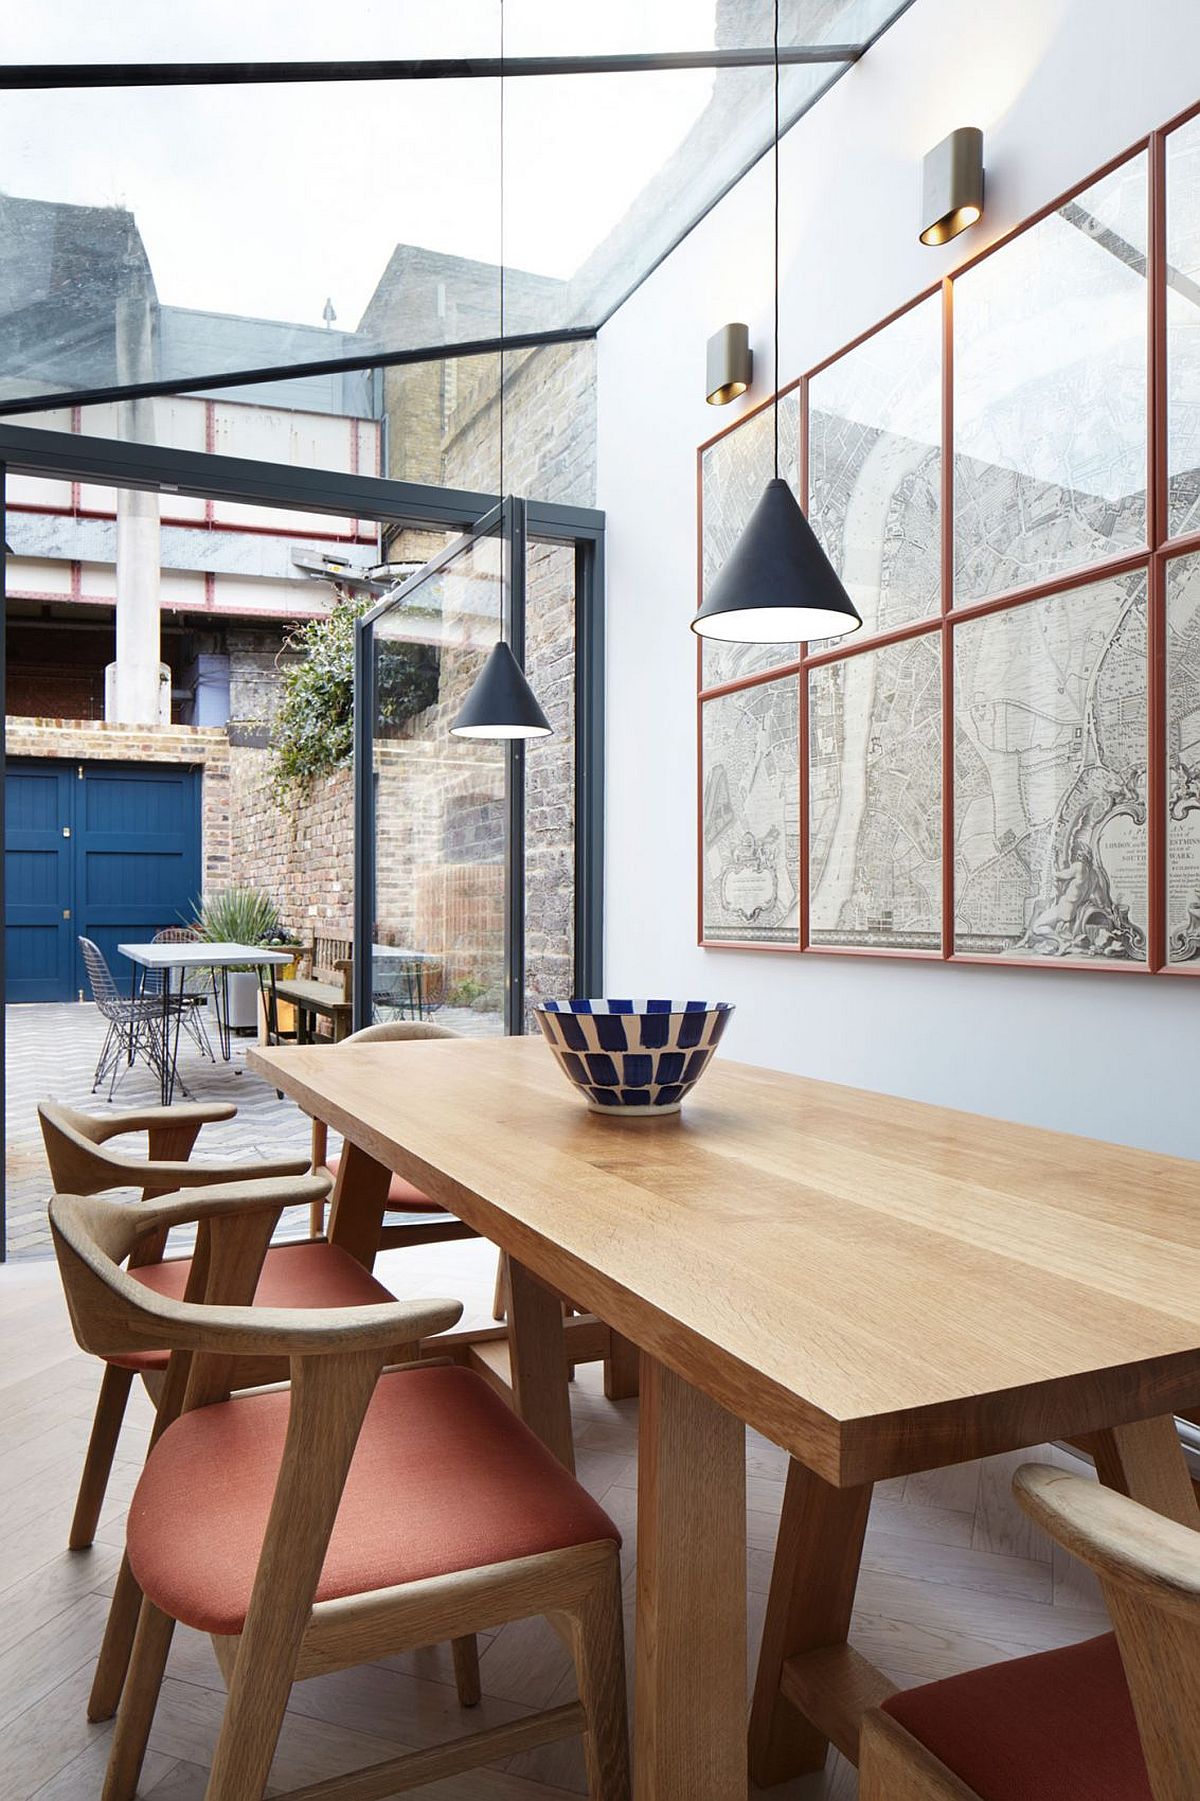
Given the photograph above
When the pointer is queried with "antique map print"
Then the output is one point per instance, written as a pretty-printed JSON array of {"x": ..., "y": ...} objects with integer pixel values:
[
  {"x": 750, "y": 775},
  {"x": 1183, "y": 328},
  {"x": 1050, "y": 393},
  {"x": 1183, "y": 759},
  {"x": 733, "y": 474},
  {"x": 874, "y": 468},
  {"x": 875, "y": 784},
  {"x": 1050, "y": 777}
]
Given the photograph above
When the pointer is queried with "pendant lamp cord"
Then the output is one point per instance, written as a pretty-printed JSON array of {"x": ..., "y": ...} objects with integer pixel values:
[
  {"x": 501, "y": 395},
  {"x": 776, "y": 368}
]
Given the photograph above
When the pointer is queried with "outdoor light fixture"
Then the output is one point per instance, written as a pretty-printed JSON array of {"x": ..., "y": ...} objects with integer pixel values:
[
  {"x": 501, "y": 703},
  {"x": 730, "y": 364},
  {"x": 777, "y": 584},
  {"x": 952, "y": 186}
]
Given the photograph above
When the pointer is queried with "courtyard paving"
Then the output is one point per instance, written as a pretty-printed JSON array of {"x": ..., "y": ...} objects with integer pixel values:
[{"x": 51, "y": 1054}]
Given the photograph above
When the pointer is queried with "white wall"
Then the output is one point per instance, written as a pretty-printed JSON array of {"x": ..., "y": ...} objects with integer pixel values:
[{"x": 1058, "y": 86}]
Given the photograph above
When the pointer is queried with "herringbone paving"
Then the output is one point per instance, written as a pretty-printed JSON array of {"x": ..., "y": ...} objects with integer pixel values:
[{"x": 51, "y": 1053}]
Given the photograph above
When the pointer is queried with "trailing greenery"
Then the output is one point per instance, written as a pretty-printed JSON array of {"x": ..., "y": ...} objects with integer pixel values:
[
  {"x": 237, "y": 916},
  {"x": 314, "y": 728}
]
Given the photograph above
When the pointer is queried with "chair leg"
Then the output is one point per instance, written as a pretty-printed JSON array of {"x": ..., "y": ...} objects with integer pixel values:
[
  {"x": 257, "y": 1701},
  {"x": 119, "y": 1632},
  {"x": 622, "y": 1368},
  {"x": 598, "y": 1635},
  {"x": 138, "y": 1703},
  {"x": 316, "y": 1220},
  {"x": 500, "y": 1293},
  {"x": 466, "y": 1670},
  {"x": 106, "y": 1428}
]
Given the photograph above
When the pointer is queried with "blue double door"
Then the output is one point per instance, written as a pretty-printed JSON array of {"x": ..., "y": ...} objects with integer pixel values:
[{"x": 109, "y": 851}]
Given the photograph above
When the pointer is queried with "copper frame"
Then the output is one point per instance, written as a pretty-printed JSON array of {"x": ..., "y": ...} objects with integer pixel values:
[{"x": 1153, "y": 557}]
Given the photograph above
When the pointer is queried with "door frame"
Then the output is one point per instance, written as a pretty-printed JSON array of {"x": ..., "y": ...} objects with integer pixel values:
[{"x": 69, "y": 456}]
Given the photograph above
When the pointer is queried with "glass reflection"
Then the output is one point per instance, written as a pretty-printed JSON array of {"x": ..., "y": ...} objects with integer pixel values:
[
  {"x": 1183, "y": 760},
  {"x": 1050, "y": 393},
  {"x": 1183, "y": 329}
]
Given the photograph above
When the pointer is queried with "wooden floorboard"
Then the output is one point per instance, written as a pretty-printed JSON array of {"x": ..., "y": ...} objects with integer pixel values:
[{"x": 953, "y": 1576}]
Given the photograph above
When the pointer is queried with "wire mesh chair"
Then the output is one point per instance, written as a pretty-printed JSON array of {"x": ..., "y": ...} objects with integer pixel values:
[
  {"x": 195, "y": 990},
  {"x": 134, "y": 1026}
]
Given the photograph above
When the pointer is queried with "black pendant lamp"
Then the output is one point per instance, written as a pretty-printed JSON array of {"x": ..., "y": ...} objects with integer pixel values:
[
  {"x": 501, "y": 704},
  {"x": 777, "y": 584}
]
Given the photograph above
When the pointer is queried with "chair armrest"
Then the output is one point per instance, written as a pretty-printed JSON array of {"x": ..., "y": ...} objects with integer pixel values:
[
  {"x": 146, "y": 1119},
  {"x": 1155, "y": 1559},
  {"x": 165, "y": 1177}
]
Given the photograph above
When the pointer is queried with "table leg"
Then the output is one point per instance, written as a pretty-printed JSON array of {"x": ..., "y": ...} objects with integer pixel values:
[
  {"x": 538, "y": 1361},
  {"x": 1145, "y": 1460},
  {"x": 815, "y": 1575},
  {"x": 358, "y": 1204},
  {"x": 690, "y": 1679}
]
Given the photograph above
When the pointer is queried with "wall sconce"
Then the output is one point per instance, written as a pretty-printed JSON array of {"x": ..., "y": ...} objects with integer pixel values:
[
  {"x": 730, "y": 364},
  {"x": 952, "y": 186}
]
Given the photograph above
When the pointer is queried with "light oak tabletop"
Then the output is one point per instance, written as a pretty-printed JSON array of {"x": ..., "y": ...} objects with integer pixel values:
[{"x": 876, "y": 1284}]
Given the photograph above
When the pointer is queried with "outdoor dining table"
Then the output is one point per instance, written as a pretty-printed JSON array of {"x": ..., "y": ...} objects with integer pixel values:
[
  {"x": 218, "y": 960},
  {"x": 879, "y": 1286}
]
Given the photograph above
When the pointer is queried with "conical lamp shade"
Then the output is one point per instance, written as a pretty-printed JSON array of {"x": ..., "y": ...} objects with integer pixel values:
[
  {"x": 777, "y": 584},
  {"x": 501, "y": 704}
]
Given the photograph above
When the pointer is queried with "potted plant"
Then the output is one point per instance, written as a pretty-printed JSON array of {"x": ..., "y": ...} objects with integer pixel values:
[{"x": 239, "y": 916}]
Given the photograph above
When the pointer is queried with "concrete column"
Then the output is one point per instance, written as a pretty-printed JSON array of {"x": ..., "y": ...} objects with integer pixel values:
[{"x": 136, "y": 688}]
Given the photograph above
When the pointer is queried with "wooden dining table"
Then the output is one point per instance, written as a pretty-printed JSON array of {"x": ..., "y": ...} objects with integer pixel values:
[{"x": 879, "y": 1286}]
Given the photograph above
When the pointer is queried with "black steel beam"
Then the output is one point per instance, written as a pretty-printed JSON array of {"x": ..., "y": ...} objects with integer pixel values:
[
  {"x": 426, "y": 68},
  {"x": 334, "y": 365}
]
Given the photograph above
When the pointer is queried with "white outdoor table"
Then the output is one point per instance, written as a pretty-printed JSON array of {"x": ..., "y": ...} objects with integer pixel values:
[{"x": 219, "y": 959}]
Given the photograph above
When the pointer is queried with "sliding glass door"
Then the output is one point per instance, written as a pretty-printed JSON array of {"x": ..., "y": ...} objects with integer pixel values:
[{"x": 478, "y": 862}]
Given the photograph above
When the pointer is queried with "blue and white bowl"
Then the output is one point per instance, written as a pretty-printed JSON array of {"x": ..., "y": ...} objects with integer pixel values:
[{"x": 638, "y": 1058}]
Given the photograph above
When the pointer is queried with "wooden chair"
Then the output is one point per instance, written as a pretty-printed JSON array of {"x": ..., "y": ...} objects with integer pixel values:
[
  {"x": 78, "y": 1165},
  {"x": 1116, "y": 1718},
  {"x": 297, "y": 1275},
  {"x": 351, "y": 1517}
]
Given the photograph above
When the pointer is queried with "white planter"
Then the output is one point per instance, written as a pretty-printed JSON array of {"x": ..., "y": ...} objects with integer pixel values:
[{"x": 243, "y": 998}]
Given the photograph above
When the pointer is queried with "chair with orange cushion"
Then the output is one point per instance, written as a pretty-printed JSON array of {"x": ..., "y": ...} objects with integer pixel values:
[
  {"x": 1116, "y": 1718},
  {"x": 350, "y": 1517},
  {"x": 298, "y": 1275},
  {"x": 79, "y": 1165},
  {"x": 427, "y": 1221}
]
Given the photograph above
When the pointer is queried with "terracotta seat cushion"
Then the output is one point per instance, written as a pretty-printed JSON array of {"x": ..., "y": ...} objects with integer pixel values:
[
  {"x": 402, "y": 1196},
  {"x": 445, "y": 1477},
  {"x": 293, "y": 1275},
  {"x": 1055, "y": 1727}
]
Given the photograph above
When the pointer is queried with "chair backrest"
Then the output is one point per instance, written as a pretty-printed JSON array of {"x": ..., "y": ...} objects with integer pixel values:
[
  {"x": 195, "y": 981},
  {"x": 399, "y": 1031},
  {"x": 105, "y": 993},
  {"x": 1149, "y": 1570}
]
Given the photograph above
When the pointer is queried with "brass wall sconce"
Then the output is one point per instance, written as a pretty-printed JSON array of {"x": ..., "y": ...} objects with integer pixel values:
[
  {"x": 952, "y": 186},
  {"x": 730, "y": 364}
]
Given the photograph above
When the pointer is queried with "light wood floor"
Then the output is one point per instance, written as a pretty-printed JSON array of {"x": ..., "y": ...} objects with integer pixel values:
[{"x": 953, "y": 1577}]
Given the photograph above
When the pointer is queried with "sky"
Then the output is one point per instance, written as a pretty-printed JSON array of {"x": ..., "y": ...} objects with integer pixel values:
[{"x": 267, "y": 200}]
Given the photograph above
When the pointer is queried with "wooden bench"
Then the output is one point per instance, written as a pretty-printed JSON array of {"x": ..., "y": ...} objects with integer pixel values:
[{"x": 325, "y": 992}]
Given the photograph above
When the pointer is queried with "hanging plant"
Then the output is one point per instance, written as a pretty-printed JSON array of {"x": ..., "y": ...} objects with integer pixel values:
[{"x": 313, "y": 732}]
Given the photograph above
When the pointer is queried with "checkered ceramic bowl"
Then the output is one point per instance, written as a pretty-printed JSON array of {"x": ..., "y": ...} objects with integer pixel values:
[{"x": 638, "y": 1058}]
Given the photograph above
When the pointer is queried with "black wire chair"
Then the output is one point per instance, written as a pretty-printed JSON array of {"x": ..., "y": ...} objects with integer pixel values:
[
  {"x": 135, "y": 1026},
  {"x": 196, "y": 989}
]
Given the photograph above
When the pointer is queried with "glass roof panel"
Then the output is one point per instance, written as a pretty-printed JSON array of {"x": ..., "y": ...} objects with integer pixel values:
[
  {"x": 189, "y": 233},
  {"x": 147, "y": 31}
]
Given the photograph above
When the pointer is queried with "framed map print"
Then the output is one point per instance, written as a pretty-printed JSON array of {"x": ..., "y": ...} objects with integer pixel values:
[
  {"x": 734, "y": 470},
  {"x": 1183, "y": 759},
  {"x": 1050, "y": 754},
  {"x": 875, "y": 468},
  {"x": 875, "y": 798},
  {"x": 750, "y": 815},
  {"x": 1183, "y": 329}
]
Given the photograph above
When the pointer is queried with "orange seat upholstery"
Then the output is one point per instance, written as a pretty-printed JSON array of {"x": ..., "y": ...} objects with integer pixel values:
[
  {"x": 1055, "y": 1727},
  {"x": 444, "y": 1478},
  {"x": 293, "y": 1275},
  {"x": 402, "y": 1196}
]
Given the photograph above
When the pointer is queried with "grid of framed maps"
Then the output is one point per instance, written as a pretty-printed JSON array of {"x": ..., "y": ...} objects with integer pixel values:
[{"x": 1004, "y": 764}]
